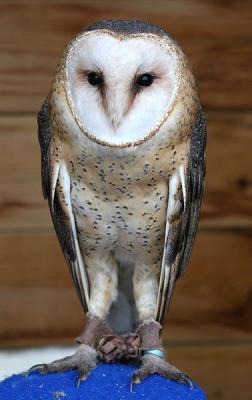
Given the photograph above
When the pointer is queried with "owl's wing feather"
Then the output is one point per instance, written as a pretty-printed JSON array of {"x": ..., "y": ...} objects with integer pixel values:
[
  {"x": 184, "y": 201},
  {"x": 56, "y": 188}
]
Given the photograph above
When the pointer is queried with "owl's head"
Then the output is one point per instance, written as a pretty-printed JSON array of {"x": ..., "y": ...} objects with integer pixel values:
[{"x": 122, "y": 79}]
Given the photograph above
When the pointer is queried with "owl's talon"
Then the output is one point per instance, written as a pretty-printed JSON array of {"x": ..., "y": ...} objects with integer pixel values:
[
  {"x": 152, "y": 364},
  {"x": 82, "y": 378},
  {"x": 134, "y": 381},
  {"x": 184, "y": 378},
  {"x": 35, "y": 367},
  {"x": 85, "y": 360}
]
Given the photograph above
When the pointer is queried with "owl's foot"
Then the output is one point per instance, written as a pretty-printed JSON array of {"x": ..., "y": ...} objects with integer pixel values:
[
  {"x": 153, "y": 356},
  {"x": 112, "y": 348},
  {"x": 152, "y": 364},
  {"x": 84, "y": 360}
]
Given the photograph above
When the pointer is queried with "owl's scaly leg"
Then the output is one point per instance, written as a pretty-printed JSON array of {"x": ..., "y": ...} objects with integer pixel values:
[
  {"x": 151, "y": 351},
  {"x": 153, "y": 357}
]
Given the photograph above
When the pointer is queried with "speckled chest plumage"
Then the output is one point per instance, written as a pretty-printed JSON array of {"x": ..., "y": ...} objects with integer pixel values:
[{"x": 120, "y": 204}]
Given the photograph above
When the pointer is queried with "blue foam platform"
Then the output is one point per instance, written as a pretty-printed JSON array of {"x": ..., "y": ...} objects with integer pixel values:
[{"x": 107, "y": 381}]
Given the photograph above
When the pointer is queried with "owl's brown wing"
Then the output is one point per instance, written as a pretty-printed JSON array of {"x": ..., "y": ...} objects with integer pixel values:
[
  {"x": 184, "y": 201},
  {"x": 56, "y": 186}
]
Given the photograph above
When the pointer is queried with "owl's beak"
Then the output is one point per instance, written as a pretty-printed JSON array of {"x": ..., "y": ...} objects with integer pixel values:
[{"x": 117, "y": 104}]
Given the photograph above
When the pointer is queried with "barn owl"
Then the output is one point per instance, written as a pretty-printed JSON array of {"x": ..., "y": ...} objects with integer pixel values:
[{"x": 122, "y": 136}]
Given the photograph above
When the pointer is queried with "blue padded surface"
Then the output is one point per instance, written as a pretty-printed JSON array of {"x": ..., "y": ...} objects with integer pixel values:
[{"x": 107, "y": 381}]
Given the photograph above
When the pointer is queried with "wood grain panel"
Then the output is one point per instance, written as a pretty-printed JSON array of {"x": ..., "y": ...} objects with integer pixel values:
[
  {"x": 228, "y": 192},
  {"x": 215, "y": 35},
  {"x": 22, "y": 205},
  {"x": 212, "y": 302},
  {"x": 223, "y": 371},
  {"x": 228, "y": 197}
]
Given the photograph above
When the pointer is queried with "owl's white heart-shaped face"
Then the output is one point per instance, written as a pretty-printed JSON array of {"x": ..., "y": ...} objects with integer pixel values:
[{"x": 120, "y": 88}]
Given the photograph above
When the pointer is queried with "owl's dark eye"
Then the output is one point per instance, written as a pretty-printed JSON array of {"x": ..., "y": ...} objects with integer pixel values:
[
  {"x": 94, "y": 79},
  {"x": 145, "y": 80}
]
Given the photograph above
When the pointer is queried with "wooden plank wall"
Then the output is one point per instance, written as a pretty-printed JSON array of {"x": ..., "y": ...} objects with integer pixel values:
[{"x": 210, "y": 322}]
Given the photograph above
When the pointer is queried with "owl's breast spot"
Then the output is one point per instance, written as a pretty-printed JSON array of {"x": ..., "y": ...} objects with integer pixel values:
[{"x": 128, "y": 227}]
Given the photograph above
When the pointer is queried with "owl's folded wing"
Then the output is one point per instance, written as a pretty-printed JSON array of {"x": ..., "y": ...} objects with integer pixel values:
[
  {"x": 56, "y": 188},
  {"x": 184, "y": 201}
]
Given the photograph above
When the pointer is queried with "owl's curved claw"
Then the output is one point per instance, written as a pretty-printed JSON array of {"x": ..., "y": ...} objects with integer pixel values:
[
  {"x": 152, "y": 364},
  {"x": 35, "y": 367},
  {"x": 81, "y": 378},
  {"x": 84, "y": 360},
  {"x": 85, "y": 370}
]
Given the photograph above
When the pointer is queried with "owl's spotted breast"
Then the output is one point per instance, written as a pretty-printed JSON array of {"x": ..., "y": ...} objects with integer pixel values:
[
  {"x": 133, "y": 221},
  {"x": 120, "y": 201}
]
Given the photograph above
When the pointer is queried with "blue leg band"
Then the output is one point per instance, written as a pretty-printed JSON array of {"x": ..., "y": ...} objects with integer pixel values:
[{"x": 155, "y": 352}]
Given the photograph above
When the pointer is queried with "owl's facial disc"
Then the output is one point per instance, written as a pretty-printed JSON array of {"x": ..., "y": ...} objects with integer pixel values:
[{"x": 120, "y": 89}]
